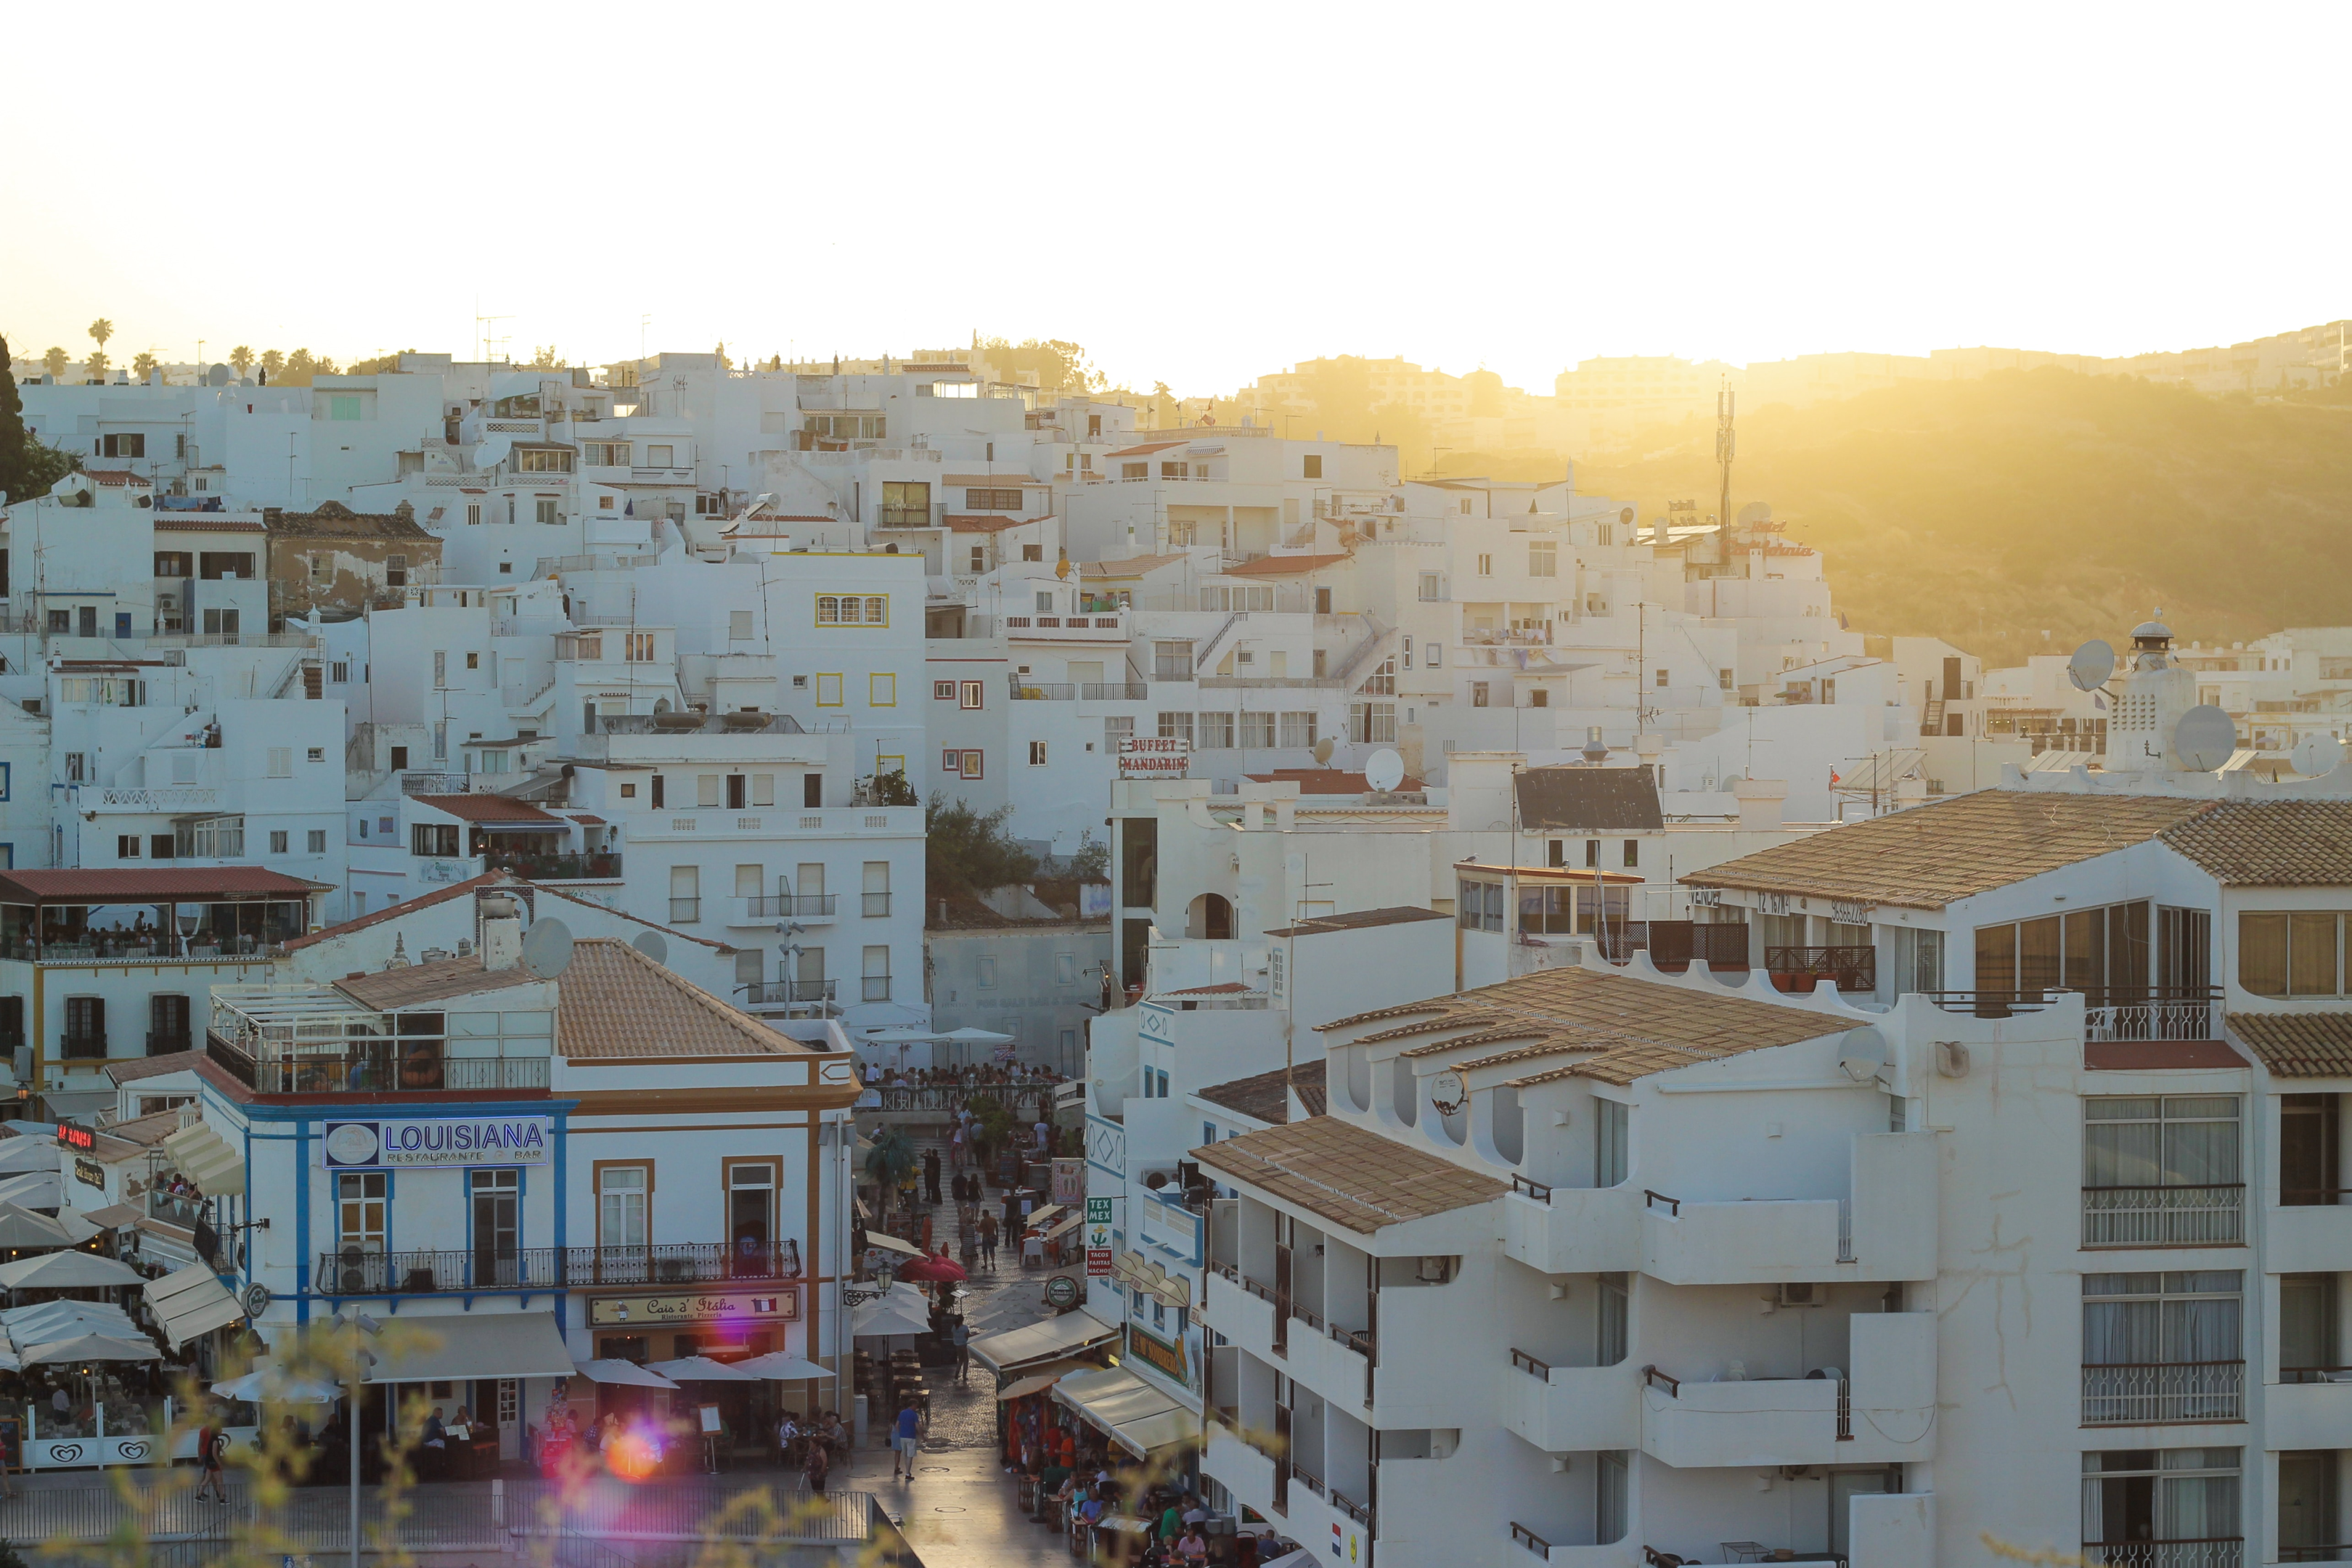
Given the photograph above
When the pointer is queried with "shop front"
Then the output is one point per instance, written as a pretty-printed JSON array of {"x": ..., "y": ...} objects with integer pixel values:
[{"x": 662, "y": 1330}]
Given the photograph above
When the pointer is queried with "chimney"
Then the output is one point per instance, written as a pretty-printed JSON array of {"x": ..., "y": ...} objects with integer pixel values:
[
  {"x": 501, "y": 932},
  {"x": 1761, "y": 802}
]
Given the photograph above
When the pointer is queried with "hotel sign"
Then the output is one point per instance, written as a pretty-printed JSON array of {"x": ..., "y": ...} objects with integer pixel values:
[
  {"x": 460, "y": 1141},
  {"x": 618, "y": 1312}
]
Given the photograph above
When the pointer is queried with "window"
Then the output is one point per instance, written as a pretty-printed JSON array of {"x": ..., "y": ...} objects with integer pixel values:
[
  {"x": 2308, "y": 1336},
  {"x": 343, "y": 407},
  {"x": 706, "y": 790},
  {"x": 1543, "y": 558},
  {"x": 2162, "y": 1172},
  {"x": 622, "y": 1205},
  {"x": 945, "y": 690},
  {"x": 1481, "y": 906},
  {"x": 173, "y": 563},
  {"x": 1432, "y": 587},
  {"x": 126, "y": 846},
  {"x": 661, "y": 457},
  {"x": 497, "y": 1197},
  {"x": 85, "y": 1026},
  {"x": 812, "y": 790},
  {"x": 950, "y": 760},
  {"x": 605, "y": 454},
  {"x": 316, "y": 839},
  {"x": 1257, "y": 732},
  {"x": 1373, "y": 723},
  {"x": 281, "y": 761},
  {"x": 1296, "y": 729},
  {"x": 1036, "y": 753},
  {"x": 1611, "y": 1142},
  {"x": 546, "y": 510},
  {"x": 2164, "y": 1506},
  {"x": 440, "y": 670},
  {"x": 971, "y": 694},
  {"x": 543, "y": 460},
  {"x": 1632, "y": 853},
  {"x": 853, "y": 610},
  {"x": 473, "y": 514},
  {"x": 360, "y": 1202},
  {"x": 1213, "y": 732},
  {"x": 322, "y": 568},
  {"x": 882, "y": 690},
  {"x": 1485, "y": 566},
  {"x": 1433, "y": 654},
  {"x": 763, "y": 789},
  {"x": 433, "y": 838},
  {"x": 876, "y": 889},
  {"x": 750, "y": 1216},
  {"x": 1176, "y": 727},
  {"x": 739, "y": 626},
  {"x": 992, "y": 501},
  {"x": 133, "y": 445},
  {"x": 828, "y": 691},
  {"x": 2163, "y": 1347},
  {"x": 738, "y": 791},
  {"x": 1723, "y": 679},
  {"x": 637, "y": 648},
  {"x": 278, "y": 842},
  {"x": 969, "y": 767},
  {"x": 2291, "y": 953},
  {"x": 1480, "y": 691},
  {"x": 1313, "y": 466},
  {"x": 906, "y": 503},
  {"x": 877, "y": 973},
  {"x": 2097, "y": 952},
  {"x": 685, "y": 894}
]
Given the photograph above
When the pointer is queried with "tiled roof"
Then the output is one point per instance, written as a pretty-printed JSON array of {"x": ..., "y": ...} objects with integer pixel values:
[
  {"x": 488, "y": 808},
  {"x": 1931, "y": 856},
  {"x": 1149, "y": 447},
  {"x": 406, "y": 907},
  {"x": 1130, "y": 566},
  {"x": 1342, "y": 1173},
  {"x": 1622, "y": 1029},
  {"x": 1589, "y": 800},
  {"x": 335, "y": 521},
  {"x": 121, "y": 477},
  {"x": 1281, "y": 565},
  {"x": 133, "y": 887},
  {"x": 619, "y": 1004},
  {"x": 444, "y": 977},
  {"x": 1222, "y": 988},
  {"x": 1357, "y": 920},
  {"x": 190, "y": 523},
  {"x": 985, "y": 522},
  {"x": 1267, "y": 1098},
  {"x": 131, "y": 1069},
  {"x": 2298, "y": 1045},
  {"x": 2271, "y": 843}
]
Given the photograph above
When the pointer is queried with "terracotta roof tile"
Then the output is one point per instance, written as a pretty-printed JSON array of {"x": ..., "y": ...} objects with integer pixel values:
[
  {"x": 2298, "y": 1045},
  {"x": 488, "y": 808},
  {"x": 619, "y": 1004},
  {"x": 1265, "y": 1096},
  {"x": 443, "y": 978},
  {"x": 985, "y": 522},
  {"x": 1354, "y": 1178},
  {"x": 406, "y": 907},
  {"x": 1281, "y": 565},
  {"x": 1358, "y": 919},
  {"x": 1931, "y": 856},
  {"x": 2271, "y": 843},
  {"x": 131, "y": 886}
]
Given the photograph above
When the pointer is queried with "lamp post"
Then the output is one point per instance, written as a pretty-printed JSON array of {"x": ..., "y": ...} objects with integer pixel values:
[{"x": 359, "y": 1323}]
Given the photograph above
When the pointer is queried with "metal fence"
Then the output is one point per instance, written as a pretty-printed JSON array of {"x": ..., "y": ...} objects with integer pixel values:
[
  {"x": 2136, "y": 1393},
  {"x": 355, "y": 1272},
  {"x": 2165, "y": 1216},
  {"x": 778, "y": 1510}
]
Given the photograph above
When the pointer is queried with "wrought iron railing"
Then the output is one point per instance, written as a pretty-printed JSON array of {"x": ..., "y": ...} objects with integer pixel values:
[
  {"x": 1849, "y": 968},
  {"x": 790, "y": 906},
  {"x": 596, "y": 865},
  {"x": 359, "y": 1271},
  {"x": 2210, "y": 1215},
  {"x": 2110, "y": 1013},
  {"x": 1672, "y": 944},
  {"x": 2216, "y": 1552},
  {"x": 2136, "y": 1394},
  {"x": 787, "y": 993},
  {"x": 377, "y": 1067}
]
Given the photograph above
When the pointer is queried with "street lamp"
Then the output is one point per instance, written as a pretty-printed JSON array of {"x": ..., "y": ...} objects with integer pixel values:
[{"x": 361, "y": 1359}]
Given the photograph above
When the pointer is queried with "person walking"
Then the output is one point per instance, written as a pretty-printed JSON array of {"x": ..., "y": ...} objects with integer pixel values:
[
  {"x": 960, "y": 1337},
  {"x": 930, "y": 1175},
  {"x": 816, "y": 1462},
  {"x": 212, "y": 1443},
  {"x": 988, "y": 1241},
  {"x": 907, "y": 1439}
]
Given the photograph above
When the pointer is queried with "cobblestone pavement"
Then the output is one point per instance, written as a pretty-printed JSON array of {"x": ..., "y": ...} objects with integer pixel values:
[{"x": 958, "y": 1511}]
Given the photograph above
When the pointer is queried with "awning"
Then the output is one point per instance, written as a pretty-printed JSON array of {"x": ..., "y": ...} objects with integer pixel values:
[
  {"x": 1040, "y": 1216},
  {"x": 192, "y": 1302},
  {"x": 624, "y": 1374},
  {"x": 33, "y": 1189},
  {"x": 1041, "y": 1379},
  {"x": 1067, "y": 1226},
  {"x": 778, "y": 1367},
  {"x": 207, "y": 1159},
  {"x": 1070, "y": 1334},
  {"x": 470, "y": 1345},
  {"x": 1136, "y": 1415},
  {"x": 65, "y": 1271},
  {"x": 114, "y": 1216},
  {"x": 889, "y": 1243}
]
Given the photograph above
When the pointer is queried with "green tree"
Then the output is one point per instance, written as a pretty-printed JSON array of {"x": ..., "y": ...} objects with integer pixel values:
[
  {"x": 545, "y": 357},
  {"x": 29, "y": 466},
  {"x": 240, "y": 359},
  {"x": 55, "y": 363},
  {"x": 892, "y": 1156},
  {"x": 382, "y": 364},
  {"x": 967, "y": 851},
  {"x": 142, "y": 366},
  {"x": 724, "y": 362},
  {"x": 1061, "y": 365},
  {"x": 301, "y": 366}
]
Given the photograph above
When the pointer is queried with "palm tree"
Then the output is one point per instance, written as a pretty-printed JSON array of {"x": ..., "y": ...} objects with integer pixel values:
[
  {"x": 272, "y": 362},
  {"x": 55, "y": 363},
  {"x": 143, "y": 366},
  {"x": 892, "y": 1156},
  {"x": 98, "y": 365},
  {"x": 102, "y": 328},
  {"x": 241, "y": 357}
]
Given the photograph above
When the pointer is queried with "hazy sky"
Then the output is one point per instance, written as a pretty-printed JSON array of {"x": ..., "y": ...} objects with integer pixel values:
[{"x": 1197, "y": 194}]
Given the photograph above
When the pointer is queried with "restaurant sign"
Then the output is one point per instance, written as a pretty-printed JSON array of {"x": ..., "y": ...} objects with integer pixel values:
[
  {"x": 439, "y": 1141},
  {"x": 614, "y": 1311},
  {"x": 1157, "y": 1353},
  {"x": 1153, "y": 756}
]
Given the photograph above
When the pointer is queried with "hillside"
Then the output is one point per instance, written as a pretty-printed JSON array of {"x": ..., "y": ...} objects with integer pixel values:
[{"x": 1989, "y": 511}]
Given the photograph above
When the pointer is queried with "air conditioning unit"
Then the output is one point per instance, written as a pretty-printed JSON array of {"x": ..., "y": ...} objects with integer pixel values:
[{"x": 1798, "y": 1295}]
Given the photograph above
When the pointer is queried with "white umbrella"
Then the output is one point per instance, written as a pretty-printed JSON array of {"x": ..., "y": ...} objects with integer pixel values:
[
  {"x": 266, "y": 1387},
  {"x": 626, "y": 1374},
  {"x": 33, "y": 1189},
  {"x": 901, "y": 1036},
  {"x": 21, "y": 1226},
  {"x": 701, "y": 1369},
  {"x": 47, "y": 1322},
  {"x": 884, "y": 1319},
  {"x": 977, "y": 1037},
  {"x": 93, "y": 1347},
  {"x": 781, "y": 1368},
  {"x": 66, "y": 1271},
  {"x": 20, "y": 1155}
]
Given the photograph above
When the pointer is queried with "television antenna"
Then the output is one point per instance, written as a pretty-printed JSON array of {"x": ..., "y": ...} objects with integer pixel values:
[{"x": 1726, "y": 444}]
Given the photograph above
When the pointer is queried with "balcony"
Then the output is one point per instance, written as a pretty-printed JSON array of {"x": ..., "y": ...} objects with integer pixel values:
[
  {"x": 168, "y": 1042},
  {"x": 2309, "y": 1233},
  {"x": 181, "y": 1209},
  {"x": 876, "y": 906},
  {"x": 1572, "y": 1230},
  {"x": 1089, "y": 628},
  {"x": 2213, "y": 1551},
  {"x": 2164, "y": 1215},
  {"x": 2141, "y": 1394},
  {"x": 2143, "y": 1013},
  {"x": 875, "y": 988},
  {"x": 1026, "y": 690},
  {"x": 1171, "y": 669},
  {"x": 363, "y": 1271},
  {"x": 1885, "y": 1230},
  {"x": 788, "y": 993},
  {"x": 1882, "y": 1410},
  {"x": 598, "y": 866},
  {"x": 82, "y": 1047},
  {"x": 1801, "y": 969},
  {"x": 769, "y": 907},
  {"x": 380, "y": 1066},
  {"x": 2307, "y": 1409},
  {"x": 1114, "y": 691},
  {"x": 1573, "y": 1409},
  {"x": 1673, "y": 945}
]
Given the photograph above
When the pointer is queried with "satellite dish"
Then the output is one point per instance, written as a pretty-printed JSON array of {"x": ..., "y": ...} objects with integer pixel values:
[
  {"x": 1323, "y": 749},
  {"x": 2092, "y": 665},
  {"x": 2316, "y": 756},
  {"x": 492, "y": 452},
  {"x": 1625, "y": 514},
  {"x": 1384, "y": 770},
  {"x": 2204, "y": 738},
  {"x": 1862, "y": 1053},
  {"x": 653, "y": 945},
  {"x": 547, "y": 951},
  {"x": 217, "y": 376}
]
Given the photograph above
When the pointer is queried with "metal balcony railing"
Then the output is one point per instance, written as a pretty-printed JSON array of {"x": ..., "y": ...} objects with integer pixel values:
[
  {"x": 2216, "y": 1552},
  {"x": 2211, "y": 1216},
  {"x": 685, "y": 911},
  {"x": 1113, "y": 690},
  {"x": 878, "y": 905},
  {"x": 167, "y": 1042},
  {"x": 785, "y": 992},
  {"x": 1848, "y": 968},
  {"x": 82, "y": 1047},
  {"x": 377, "y": 1067},
  {"x": 599, "y": 865},
  {"x": 2110, "y": 1013},
  {"x": 2137, "y": 1393},
  {"x": 1672, "y": 944},
  {"x": 788, "y": 906},
  {"x": 360, "y": 1270},
  {"x": 876, "y": 988}
]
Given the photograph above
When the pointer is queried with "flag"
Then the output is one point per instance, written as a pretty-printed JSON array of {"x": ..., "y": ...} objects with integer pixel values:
[{"x": 1833, "y": 778}]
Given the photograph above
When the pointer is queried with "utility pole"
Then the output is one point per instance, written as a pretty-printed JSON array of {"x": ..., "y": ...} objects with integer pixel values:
[{"x": 1727, "y": 443}]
